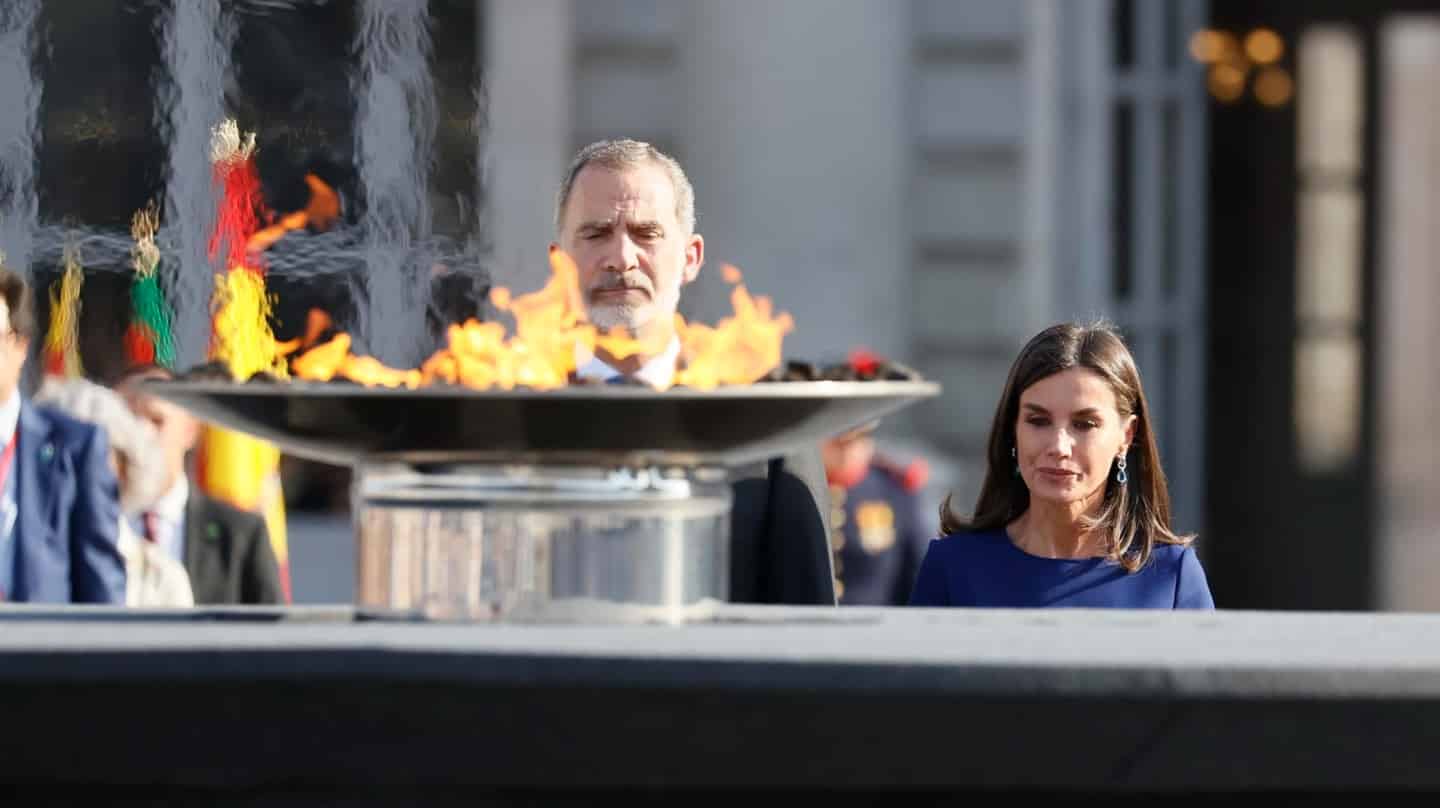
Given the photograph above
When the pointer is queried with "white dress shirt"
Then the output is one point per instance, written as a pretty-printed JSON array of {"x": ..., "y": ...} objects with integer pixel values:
[
  {"x": 9, "y": 417},
  {"x": 169, "y": 511},
  {"x": 152, "y": 577},
  {"x": 659, "y": 372}
]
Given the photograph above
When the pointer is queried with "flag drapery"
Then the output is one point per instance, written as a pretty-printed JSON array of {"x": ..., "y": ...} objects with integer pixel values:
[
  {"x": 231, "y": 466},
  {"x": 148, "y": 338},
  {"x": 62, "y": 338}
]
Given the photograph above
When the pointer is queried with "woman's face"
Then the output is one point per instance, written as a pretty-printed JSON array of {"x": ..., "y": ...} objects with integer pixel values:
[{"x": 1067, "y": 436}]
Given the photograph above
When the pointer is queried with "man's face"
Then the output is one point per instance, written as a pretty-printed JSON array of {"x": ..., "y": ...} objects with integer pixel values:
[
  {"x": 621, "y": 228},
  {"x": 176, "y": 429},
  {"x": 13, "y": 350},
  {"x": 848, "y": 453}
]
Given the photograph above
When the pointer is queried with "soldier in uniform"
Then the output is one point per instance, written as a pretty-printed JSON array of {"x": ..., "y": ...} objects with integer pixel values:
[{"x": 879, "y": 529}]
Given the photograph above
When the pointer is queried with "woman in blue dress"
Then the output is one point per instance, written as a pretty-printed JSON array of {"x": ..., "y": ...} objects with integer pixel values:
[{"x": 1074, "y": 509}]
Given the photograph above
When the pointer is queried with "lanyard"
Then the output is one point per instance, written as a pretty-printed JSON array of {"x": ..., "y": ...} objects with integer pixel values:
[{"x": 7, "y": 459}]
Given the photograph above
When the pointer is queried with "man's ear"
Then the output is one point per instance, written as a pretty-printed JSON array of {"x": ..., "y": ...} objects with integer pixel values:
[
  {"x": 694, "y": 256},
  {"x": 190, "y": 432}
]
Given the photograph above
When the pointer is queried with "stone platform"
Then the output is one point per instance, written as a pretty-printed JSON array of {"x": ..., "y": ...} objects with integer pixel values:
[{"x": 299, "y": 706}]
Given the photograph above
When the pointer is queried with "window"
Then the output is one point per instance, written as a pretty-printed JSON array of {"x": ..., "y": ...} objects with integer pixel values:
[{"x": 1330, "y": 210}]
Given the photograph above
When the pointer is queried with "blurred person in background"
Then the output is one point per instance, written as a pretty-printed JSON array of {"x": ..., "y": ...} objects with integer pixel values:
[
  {"x": 625, "y": 213},
  {"x": 879, "y": 528},
  {"x": 1074, "y": 510},
  {"x": 59, "y": 499},
  {"x": 225, "y": 550},
  {"x": 152, "y": 578}
]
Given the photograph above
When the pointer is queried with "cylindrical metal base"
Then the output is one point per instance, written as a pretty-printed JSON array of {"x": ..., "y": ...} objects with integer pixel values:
[{"x": 542, "y": 543}]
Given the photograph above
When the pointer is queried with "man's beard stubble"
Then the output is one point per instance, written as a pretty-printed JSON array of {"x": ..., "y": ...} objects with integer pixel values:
[
  {"x": 609, "y": 316},
  {"x": 662, "y": 302}
]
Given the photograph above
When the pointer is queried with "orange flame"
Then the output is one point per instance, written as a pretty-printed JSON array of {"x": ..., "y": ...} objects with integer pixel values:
[
  {"x": 551, "y": 329},
  {"x": 740, "y": 350},
  {"x": 328, "y": 360},
  {"x": 320, "y": 212},
  {"x": 316, "y": 324},
  {"x": 243, "y": 338},
  {"x": 541, "y": 355}
]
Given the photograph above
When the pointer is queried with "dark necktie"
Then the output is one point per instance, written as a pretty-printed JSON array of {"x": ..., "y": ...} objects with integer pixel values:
[{"x": 151, "y": 523}]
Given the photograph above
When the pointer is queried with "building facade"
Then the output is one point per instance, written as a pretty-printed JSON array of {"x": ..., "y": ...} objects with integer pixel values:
[{"x": 935, "y": 180}]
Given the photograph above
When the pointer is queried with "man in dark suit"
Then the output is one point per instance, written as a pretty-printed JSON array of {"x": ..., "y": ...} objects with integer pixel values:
[
  {"x": 626, "y": 215},
  {"x": 225, "y": 550},
  {"x": 60, "y": 510}
]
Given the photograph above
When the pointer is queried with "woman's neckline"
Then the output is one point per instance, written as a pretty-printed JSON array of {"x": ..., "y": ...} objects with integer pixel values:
[{"x": 1008, "y": 539}]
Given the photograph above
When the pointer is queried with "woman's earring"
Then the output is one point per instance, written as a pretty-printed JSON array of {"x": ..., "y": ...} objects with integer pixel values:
[
  {"x": 1120, "y": 476},
  {"x": 1015, "y": 453}
]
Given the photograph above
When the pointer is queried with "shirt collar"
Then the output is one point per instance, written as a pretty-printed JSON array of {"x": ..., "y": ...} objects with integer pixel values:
[
  {"x": 171, "y": 506},
  {"x": 659, "y": 372}
]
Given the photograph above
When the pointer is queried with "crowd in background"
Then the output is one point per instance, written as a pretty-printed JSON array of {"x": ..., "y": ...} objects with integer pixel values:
[{"x": 98, "y": 504}]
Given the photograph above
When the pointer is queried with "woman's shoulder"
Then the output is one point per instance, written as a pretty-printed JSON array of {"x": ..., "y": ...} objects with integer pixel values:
[
  {"x": 1173, "y": 550},
  {"x": 1173, "y": 557},
  {"x": 1181, "y": 563}
]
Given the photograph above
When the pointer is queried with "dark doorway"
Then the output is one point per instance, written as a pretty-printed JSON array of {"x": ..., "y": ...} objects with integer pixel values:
[{"x": 1292, "y": 467}]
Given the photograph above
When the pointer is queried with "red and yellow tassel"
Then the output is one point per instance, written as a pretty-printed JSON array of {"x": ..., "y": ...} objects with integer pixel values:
[{"x": 234, "y": 467}]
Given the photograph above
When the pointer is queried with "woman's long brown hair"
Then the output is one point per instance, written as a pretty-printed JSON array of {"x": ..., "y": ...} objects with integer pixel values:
[{"x": 1133, "y": 517}]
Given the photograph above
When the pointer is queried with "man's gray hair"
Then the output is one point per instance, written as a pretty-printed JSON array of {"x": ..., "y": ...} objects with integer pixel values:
[{"x": 625, "y": 153}]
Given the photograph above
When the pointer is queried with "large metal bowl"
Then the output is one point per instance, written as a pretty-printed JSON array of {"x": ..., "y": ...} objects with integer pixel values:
[{"x": 613, "y": 425}]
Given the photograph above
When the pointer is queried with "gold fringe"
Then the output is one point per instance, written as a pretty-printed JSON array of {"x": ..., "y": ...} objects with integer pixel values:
[
  {"x": 227, "y": 144},
  {"x": 143, "y": 228},
  {"x": 64, "y": 336}
]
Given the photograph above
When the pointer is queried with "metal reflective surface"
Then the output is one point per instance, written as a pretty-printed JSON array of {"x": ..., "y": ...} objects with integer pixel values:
[
  {"x": 603, "y": 425},
  {"x": 542, "y": 545}
]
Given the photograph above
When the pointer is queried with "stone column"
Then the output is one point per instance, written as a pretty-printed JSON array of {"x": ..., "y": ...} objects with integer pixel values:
[
  {"x": 1407, "y": 511},
  {"x": 529, "y": 83},
  {"x": 19, "y": 130},
  {"x": 794, "y": 136}
]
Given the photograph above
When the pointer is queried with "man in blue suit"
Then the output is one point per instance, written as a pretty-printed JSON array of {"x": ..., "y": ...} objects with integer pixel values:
[{"x": 60, "y": 507}]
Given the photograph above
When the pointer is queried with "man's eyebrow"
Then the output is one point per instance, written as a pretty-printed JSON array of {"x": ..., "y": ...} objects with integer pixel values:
[{"x": 597, "y": 224}]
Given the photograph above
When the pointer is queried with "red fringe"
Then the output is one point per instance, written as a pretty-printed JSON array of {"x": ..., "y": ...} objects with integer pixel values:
[
  {"x": 239, "y": 213},
  {"x": 285, "y": 582},
  {"x": 139, "y": 348}
]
